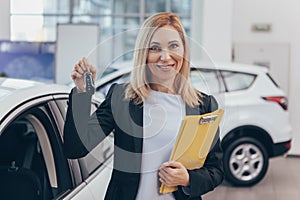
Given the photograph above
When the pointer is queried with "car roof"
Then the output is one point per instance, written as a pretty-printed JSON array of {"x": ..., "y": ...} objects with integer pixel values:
[
  {"x": 16, "y": 91},
  {"x": 231, "y": 66},
  {"x": 126, "y": 66}
]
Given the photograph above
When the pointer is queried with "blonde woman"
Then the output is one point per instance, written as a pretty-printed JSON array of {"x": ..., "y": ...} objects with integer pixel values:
[{"x": 145, "y": 115}]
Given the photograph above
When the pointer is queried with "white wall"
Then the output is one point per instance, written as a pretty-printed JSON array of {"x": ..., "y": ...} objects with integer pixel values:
[
  {"x": 4, "y": 20},
  {"x": 211, "y": 28},
  {"x": 196, "y": 27},
  {"x": 285, "y": 19},
  {"x": 216, "y": 31}
]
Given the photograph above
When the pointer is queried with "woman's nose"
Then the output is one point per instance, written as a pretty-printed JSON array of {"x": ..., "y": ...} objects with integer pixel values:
[{"x": 165, "y": 55}]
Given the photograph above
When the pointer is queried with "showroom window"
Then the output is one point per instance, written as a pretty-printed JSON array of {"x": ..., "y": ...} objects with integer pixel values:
[
  {"x": 33, "y": 30},
  {"x": 36, "y": 20}
]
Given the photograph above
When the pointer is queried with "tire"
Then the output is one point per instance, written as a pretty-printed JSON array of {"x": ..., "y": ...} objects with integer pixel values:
[{"x": 245, "y": 162}]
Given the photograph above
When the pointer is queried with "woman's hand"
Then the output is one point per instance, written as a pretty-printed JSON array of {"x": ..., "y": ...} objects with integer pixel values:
[
  {"x": 173, "y": 174},
  {"x": 78, "y": 73}
]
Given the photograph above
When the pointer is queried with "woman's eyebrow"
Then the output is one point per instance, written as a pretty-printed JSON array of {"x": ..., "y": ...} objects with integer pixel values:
[
  {"x": 154, "y": 43},
  {"x": 168, "y": 42},
  {"x": 173, "y": 41}
]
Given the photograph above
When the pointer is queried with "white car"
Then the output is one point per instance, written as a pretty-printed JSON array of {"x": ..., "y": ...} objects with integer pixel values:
[
  {"x": 32, "y": 162},
  {"x": 256, "y": 124}
]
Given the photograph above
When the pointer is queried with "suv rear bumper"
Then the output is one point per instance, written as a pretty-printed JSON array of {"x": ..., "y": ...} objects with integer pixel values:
[{"x": 281, "y": 148}]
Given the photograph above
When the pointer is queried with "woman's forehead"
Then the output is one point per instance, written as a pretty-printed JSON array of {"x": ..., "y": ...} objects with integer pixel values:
[{"x": 165, "y": 33}]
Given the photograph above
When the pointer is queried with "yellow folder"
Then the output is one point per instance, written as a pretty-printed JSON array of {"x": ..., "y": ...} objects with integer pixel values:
[{"x": 194, "y": 140}]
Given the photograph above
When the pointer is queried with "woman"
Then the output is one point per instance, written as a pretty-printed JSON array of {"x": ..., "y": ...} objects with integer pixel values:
[{"x": 145, "y": 115}]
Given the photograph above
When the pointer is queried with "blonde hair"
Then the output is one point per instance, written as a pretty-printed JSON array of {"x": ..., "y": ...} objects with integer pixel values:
[{"x": 138, "y": 88}]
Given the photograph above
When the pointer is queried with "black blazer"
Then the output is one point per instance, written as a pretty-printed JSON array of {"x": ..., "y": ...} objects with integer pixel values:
[{"x": 126, "y": 119}]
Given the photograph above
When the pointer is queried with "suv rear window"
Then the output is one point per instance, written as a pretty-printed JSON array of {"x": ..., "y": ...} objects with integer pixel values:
[
  {"x": 237, "y": 81},
  {"x": 206, "y": 80}
]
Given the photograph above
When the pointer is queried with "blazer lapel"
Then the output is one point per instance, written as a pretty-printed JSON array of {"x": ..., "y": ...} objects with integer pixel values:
[
  {"x": 192, "y": 110},
  {"x": 136, "y": 114}
]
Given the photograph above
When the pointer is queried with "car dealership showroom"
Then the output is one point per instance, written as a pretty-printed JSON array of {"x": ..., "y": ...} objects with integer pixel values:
[{"x": 243, "y": 53}]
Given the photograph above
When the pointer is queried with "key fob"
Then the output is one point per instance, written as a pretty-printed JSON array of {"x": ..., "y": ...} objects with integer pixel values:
[{"x": 89, "y": 83}]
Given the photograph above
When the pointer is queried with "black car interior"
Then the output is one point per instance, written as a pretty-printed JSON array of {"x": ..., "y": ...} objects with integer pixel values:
[{"x": 22, "y": 166}]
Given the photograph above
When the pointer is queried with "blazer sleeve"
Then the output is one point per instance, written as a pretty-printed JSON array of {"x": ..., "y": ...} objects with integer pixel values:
[
  {"x": 211, "y": 174},
  {"x": 82, "y": 131}
]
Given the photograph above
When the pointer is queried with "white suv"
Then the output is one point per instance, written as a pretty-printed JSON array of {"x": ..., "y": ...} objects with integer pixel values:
[{"x": 256, "y": 124}]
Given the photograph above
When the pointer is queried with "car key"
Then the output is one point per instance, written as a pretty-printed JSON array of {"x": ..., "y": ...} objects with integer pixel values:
[{"x": 89, "y": 83}]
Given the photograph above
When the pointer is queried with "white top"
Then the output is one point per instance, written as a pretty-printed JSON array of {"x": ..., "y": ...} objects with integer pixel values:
[{"x": 162, "y": 119}]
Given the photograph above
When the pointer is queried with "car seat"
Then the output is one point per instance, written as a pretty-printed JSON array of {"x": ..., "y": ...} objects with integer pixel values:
[{"x": 18, "y": 181}]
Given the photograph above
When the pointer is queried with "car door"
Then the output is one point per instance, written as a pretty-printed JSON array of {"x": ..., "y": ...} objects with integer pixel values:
[
  {"x": 239, "y": 99},
  {"x": 97, "y": 166},
  {"x": 91, "y": 173},
  {"x": 29, "y": 141}
]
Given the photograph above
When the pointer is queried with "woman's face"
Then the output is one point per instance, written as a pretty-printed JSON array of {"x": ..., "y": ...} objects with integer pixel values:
[{"x": 165, "y": 55}]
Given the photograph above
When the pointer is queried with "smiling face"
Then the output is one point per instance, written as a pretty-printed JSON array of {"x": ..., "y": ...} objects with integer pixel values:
[{"x": 165, "y": 56}]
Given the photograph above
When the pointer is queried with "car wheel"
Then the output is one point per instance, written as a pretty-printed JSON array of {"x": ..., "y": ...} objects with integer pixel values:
[{"x": 245, "y": 161}]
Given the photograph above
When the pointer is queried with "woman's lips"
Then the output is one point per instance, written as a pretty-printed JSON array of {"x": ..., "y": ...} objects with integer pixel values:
[{"x": 166, "y": 67}]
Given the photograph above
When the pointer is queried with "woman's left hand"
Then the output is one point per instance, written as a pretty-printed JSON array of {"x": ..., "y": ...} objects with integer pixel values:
[{"x": 173, "y": 174}]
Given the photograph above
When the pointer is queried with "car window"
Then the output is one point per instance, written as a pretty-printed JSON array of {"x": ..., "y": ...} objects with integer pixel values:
[
  {"x": 207, "y": 81},
  {"x": 62, "y": 105},
  {"x": 107, "y": 71},
  {"x": 25, "y": 147},
  {"x": 11, "y": 141},
  {"x": 237, "y": 81},
  {"x": 103, "y": 89}
]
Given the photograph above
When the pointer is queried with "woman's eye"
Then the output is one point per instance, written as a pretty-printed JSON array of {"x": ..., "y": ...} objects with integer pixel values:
[
  {"x": 155, "y": 48},
  {"x": 173, "y": 46}
]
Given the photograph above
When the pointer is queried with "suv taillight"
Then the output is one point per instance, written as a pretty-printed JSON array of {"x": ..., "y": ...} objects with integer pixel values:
[{"x": 281, "y": 100}]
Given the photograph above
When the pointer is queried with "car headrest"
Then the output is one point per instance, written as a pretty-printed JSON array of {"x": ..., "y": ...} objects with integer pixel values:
[{"x": 12, "y": 142}]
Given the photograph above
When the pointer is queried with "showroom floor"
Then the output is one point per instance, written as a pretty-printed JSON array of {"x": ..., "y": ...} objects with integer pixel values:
[{"x": 282, "y": 182}]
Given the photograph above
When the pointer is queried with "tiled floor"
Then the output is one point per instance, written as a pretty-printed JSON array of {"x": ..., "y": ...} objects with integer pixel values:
[{"x": 282, "y": 182}]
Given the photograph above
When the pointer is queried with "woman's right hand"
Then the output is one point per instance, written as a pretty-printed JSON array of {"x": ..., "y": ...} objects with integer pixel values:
[{"x": 78, "y": 73}]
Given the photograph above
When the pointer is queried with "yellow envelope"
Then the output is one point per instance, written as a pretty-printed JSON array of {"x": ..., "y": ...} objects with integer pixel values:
[{"x": 194, "y": 140}]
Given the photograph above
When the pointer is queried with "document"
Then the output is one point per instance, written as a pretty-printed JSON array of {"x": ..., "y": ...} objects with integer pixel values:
[{"x": 194, "y": 140}]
